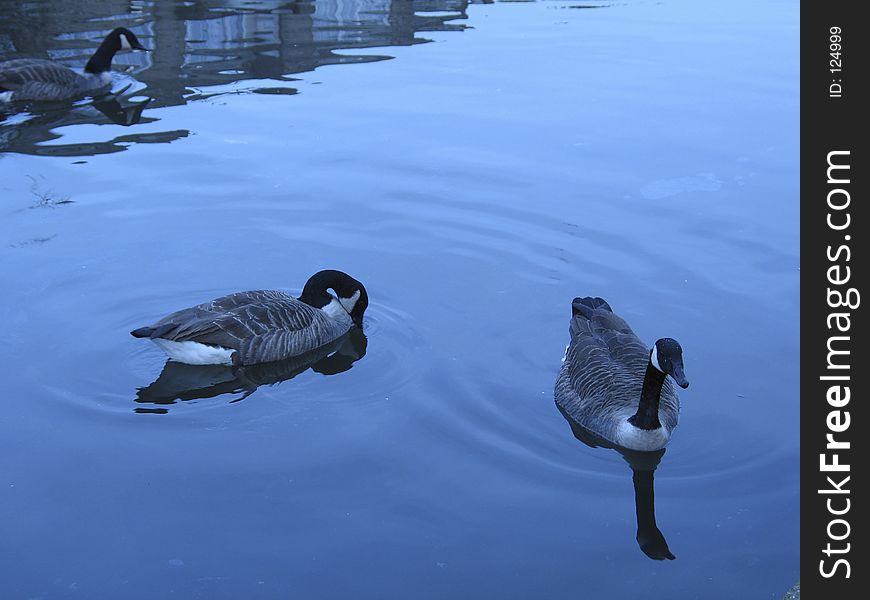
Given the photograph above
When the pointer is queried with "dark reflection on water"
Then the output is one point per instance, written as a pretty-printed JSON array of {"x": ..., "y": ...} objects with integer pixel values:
[
  {"x": 30, "y": 136},
  {"x": 643, "y": 465},
  {"x": 196, "y": 45},
  {"x": 181, "y": 382}
]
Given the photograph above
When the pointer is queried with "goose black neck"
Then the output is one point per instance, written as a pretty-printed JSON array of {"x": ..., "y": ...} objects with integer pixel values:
[
  {"x": 101, "y": 61},
  {"x": 647, "y": 415},
  {"x": 649, "y": 537},
  {"x": 315, "y": 291}
]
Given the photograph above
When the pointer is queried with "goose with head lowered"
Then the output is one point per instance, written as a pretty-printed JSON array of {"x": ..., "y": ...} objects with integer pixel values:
[
  {"x": 261, "y": 326},
  {"x": 23, "y": 79},
  {"x": 615, "y": 386}
]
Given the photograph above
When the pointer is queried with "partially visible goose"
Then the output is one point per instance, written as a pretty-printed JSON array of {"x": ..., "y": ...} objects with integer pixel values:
[
  {"x": 39, "y": 79},
  {"x": 247, "y": 328},
  {"x": 613, "y": 385}
]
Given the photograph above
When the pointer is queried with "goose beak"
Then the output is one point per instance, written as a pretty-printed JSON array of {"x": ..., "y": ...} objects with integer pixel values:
[
  {"x": 141, "y": 47},
  {"x": 680, "y": 377}
]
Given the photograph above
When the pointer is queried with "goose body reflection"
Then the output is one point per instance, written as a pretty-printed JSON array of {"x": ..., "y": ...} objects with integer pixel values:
[
  {"x": 615, "y": 386},
  {"x": 182, "y": 382},
  {"x": 643, "y": 465},
  {"x": 25, "y": 79}
]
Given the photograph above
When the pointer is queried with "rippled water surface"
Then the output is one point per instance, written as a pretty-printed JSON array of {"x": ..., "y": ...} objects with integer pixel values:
[{"x": 476, "y": 166}]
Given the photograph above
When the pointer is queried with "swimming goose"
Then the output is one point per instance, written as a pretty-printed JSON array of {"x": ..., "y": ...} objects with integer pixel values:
[
  {"x": 253, "y": 327},
  {"x": 612, "y": 385},
  {"x": 39, "y": 79}
]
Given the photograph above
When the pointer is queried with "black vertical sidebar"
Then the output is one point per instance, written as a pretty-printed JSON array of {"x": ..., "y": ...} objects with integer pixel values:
[{"x": 835, "y": 225}]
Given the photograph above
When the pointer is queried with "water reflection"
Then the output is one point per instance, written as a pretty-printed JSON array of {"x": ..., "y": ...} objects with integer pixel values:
[
  {"x": 180, "y": 382},
  {"x": 29, "y": 135},
  {"x": 199, "y": 44},
  {"x": 643, "y": 465},
  {"x": 121, "y": 114}
]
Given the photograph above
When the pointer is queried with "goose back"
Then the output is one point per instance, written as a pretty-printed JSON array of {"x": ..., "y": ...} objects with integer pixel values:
[
  {"x": 37, "y": 79},
  {"x": 599, "y": 384},
  {"x": 261, "y": 326}
]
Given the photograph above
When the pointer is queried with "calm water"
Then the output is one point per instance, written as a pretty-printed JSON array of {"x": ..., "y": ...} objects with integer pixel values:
[{"x": 645, "y": 152}]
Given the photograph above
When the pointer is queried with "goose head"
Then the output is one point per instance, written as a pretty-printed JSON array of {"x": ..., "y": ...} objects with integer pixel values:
[
  {"x": 118, "y": 39},
  {"x": 124, "y": 39},
  {"x": 667, "y": 357},
  {"x": 350, "y": 294}
]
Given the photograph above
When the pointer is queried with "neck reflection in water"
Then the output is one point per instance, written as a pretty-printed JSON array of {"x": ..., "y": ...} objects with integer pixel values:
[
  {"x": 181, "y": 382},
  {"x": 643, "y": 465}
]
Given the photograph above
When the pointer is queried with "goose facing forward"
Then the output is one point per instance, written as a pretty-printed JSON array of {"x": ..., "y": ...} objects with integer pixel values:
[
  {"x": 253, "y": 327},
  {"x": 613, "y": 385},
  {"x": 39, "y": 79}
]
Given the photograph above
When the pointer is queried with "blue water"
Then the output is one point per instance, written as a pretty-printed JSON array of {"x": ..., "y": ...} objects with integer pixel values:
[{"x": 507, "y": 158}]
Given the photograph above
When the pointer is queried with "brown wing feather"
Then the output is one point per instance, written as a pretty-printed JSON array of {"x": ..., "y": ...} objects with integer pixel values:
[
  {"x": 15, "y": 74},
  {"x": 228, "y": 320}
]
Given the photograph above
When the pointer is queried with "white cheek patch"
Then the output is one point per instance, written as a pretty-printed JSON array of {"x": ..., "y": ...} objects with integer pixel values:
[
  {"x": 125, "y": 43},
  {"x": 335, "y": 309},
  {"x": 654, "y": 359},
  {"x": 349, "y": 303}
]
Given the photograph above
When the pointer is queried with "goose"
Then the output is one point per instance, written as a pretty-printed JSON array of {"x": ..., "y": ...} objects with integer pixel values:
[
  {"x": 39, "y": 79},
  {"x": 247, "y": 328},
  {"x": 613, "y": 385}
]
